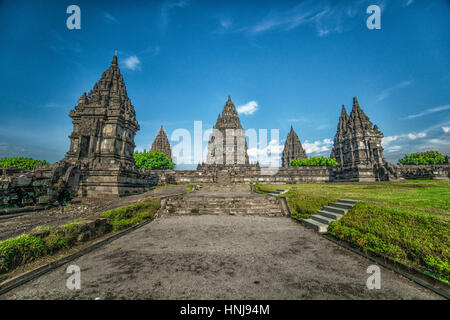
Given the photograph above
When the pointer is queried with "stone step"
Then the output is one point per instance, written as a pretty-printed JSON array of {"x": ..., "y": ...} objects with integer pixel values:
[
  {"x": 227, "y": 200},
  {"x": 323, "y": 219},
  {"x": 194, "y": 211},
  {"x": 239, "y": 205},
  {"x": 315, "y": 225},
  {"x": 334, "y": 209},
  {"x": 342, "y": 205},
  {"x": 350, "y": 201},
  {"x": 224, "y": 209},
  {"x": 328, "y": 214}
]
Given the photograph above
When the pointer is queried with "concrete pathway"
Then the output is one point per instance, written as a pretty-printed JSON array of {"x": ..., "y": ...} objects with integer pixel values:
[{"x": 221, "y": 257}]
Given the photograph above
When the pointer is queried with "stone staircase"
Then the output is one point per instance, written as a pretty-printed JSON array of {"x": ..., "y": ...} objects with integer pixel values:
[
  {"x": 278, "y": 192},
  {"x": 335, "y": 211},
  {"x": 223, "y": 203}
]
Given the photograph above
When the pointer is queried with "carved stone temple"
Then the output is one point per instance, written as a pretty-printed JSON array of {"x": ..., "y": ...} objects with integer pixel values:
[
  {"x": 357, "y": 145},
  {"x": 227, "y": 144},
  {"x": 161, "y": 143},
  {"x": 104, "y": 123},
  {"x": 293, "y": 149},
  {"x": 102, "y": 141}
]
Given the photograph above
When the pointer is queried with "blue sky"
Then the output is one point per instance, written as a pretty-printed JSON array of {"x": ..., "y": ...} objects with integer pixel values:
[{"x": 288, "y": 62}]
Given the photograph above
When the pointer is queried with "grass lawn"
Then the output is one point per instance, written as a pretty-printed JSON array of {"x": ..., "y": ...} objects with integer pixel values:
[{"x": 408, "y": 221}]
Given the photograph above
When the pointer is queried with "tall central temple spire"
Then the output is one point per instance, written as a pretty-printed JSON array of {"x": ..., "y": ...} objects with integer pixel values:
[{"x": 227, "y": 144}]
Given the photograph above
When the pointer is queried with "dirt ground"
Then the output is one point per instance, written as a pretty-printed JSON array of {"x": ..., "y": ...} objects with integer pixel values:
[
  {"x": 78, "y": 209},
  {"x": 221, "y": 257}
]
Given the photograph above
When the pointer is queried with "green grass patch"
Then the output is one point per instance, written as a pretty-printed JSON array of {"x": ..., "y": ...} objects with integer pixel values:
[
  {"x": 419, "y": 240},
  {"x": 128, "y": 216}
]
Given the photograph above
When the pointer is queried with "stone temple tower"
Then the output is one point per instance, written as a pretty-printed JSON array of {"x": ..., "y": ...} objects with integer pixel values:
[
  {"x": 227, "y": 144},
  {"x": 357, "y": 144},
  {"x": 161, "y": 144},
  {"x": 102, "y": 141},
  {"x": 293, "y": 149},
  {"x": 104, "y": 123}
]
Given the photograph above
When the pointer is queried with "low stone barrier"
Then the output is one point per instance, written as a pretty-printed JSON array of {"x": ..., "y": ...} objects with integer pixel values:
[{"x": 82, "y": 231}]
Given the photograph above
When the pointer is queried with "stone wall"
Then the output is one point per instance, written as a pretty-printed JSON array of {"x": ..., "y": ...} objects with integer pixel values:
[
  {"x": 433, "y": 172},
  {"x": 26, "y": 187},
  {"x": 102, "y": 180},
  {"x": 298, "y": 175},
  {"x": 49, "y": 184}
]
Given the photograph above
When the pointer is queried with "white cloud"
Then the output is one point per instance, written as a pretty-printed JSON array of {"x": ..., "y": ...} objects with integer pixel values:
[
  {"x": 166, "y": 9},
  {"x": 319, "y": 146},
  {"x": 226, "y": 23},
  {"x": 428, "y": 111},
  {"x": 409, "y": 2},
  {"x": 446, "y": 129},
  {"x": 248, "y": 108},
  {"x": 409, "y": 136},
  {"x": 267, "y": 155},
  {"x": 326, "y": 17},
  {"x": 387, "y": 92},
  {"x": 306, "y": 12},
  {"x": 110, "y": 17},
  {"x": 419, "y": 135},
  {"x": 389, "y": 139},
  {"x": 133, "y": 63},
  {"x": 393, "y": 148},
  {"x": 300, "y": 119},
  {"x": 438, "y": 141}
]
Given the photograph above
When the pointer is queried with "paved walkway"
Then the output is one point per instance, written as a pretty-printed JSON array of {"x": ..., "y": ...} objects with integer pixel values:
[{"x": 221, "y": 257}]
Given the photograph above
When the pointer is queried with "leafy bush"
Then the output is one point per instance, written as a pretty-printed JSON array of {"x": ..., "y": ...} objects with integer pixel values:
[
  {"x": 20, "y": 250},
  {"x": 55, "y": 242},
  {"x": 20, "y": 162},
  {"x": 427, "y": 157},
  {"x": 314, "y": 162},
  {"x": 153, "y": 160}
]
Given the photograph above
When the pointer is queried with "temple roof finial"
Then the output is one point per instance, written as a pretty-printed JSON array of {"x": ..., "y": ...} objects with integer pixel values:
[
  {"x": 355, "y": 102},
  {"x": 114, "y": 60},
  {"x": 343, "y": 111}
]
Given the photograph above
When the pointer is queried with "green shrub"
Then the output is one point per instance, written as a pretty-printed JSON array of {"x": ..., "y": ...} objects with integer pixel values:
[
  {"x": 20, "y": 250},
  {"x": 55, "y": 242},
  {"x": 314, "y": 162},
  {"x": 153, "y": 160},
  {"x": 20, "y": 162},
  {"x": 426, "y": 158}
]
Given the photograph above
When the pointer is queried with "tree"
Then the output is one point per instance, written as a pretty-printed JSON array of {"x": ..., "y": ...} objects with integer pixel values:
[
  {"x": 314, "y": 162},
  {"x": 20, "y": 162},
  {"x": 426, "y": 158},
  {"x": 152, "y": 160}
]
